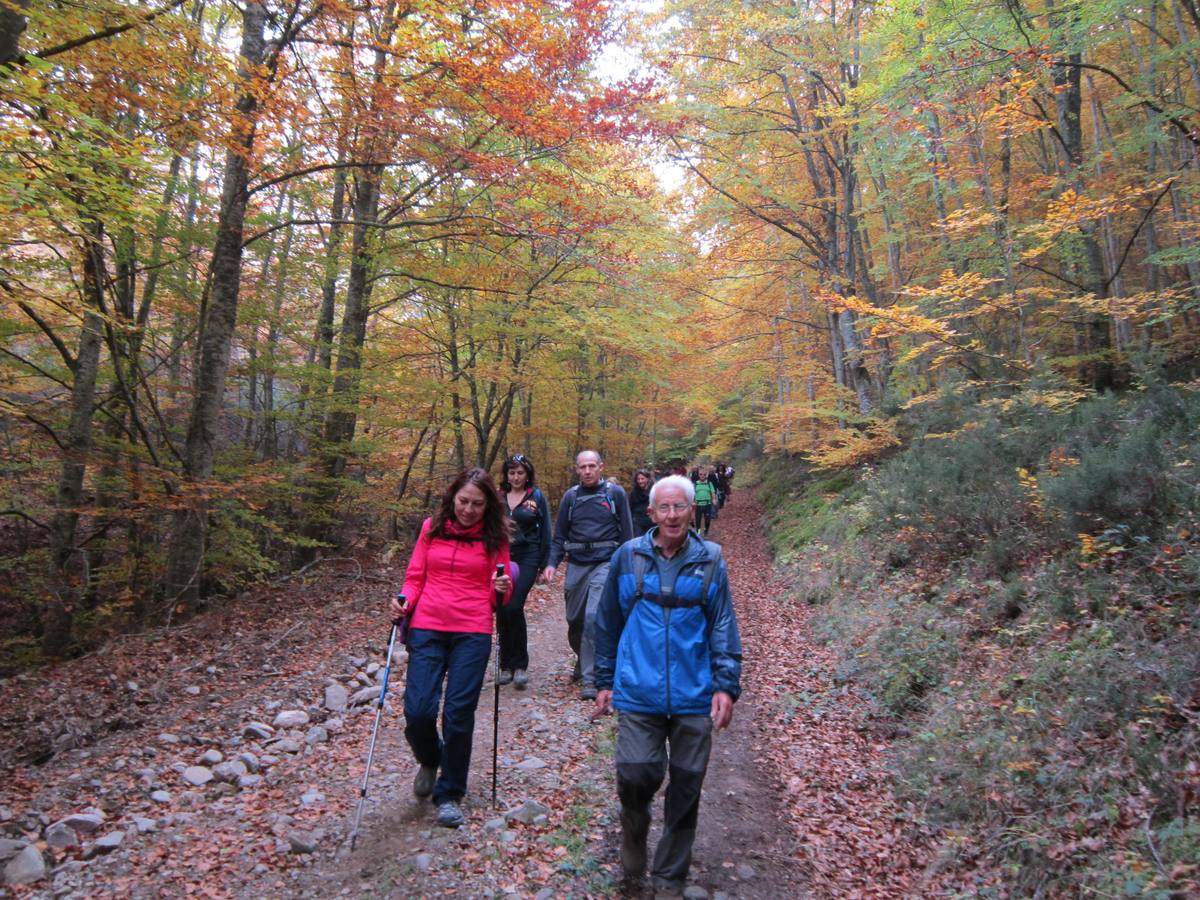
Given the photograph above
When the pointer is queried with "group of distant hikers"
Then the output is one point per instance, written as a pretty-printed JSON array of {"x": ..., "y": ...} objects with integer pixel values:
[{"x": 649, "y": 617}]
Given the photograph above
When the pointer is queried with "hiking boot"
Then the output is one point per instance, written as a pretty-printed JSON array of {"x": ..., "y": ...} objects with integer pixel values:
[
  {"x": 588, "y": 693},
  {"x": 577, "y": 673},
  {"x": 667, "y": 890},
  {"x": 520, "y": 678},
  {"x": 449, "y": 815},
  {"x": 633, "y": 854},
  {"x": 505, "y": 677},
  {"x": 423, "y": 783}
]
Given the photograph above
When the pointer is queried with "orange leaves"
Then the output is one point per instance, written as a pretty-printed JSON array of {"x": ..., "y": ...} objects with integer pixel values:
[{"x": 1070, "y": 212}]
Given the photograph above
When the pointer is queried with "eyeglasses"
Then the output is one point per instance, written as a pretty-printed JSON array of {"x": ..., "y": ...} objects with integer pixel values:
[{"x": 665, "y": 509}]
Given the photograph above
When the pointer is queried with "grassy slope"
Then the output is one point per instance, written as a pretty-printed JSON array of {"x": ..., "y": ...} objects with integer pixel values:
[{"x": 1018, "y": 591}]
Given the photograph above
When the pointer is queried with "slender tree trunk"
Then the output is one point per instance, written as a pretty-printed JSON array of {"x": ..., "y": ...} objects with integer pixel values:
[
  {"x": 59, "y": 613},
  {"x": 188, "y": 537}
]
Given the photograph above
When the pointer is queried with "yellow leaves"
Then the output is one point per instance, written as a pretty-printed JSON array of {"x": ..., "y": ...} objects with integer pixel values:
[
  {"x": 853, "y": 447},
  {"x": 1070, "y": 212},
  {"x": 962, "y": 222}
]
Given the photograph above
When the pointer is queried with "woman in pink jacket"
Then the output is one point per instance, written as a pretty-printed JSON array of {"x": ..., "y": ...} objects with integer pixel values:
[{"x": 451, "y": 588}]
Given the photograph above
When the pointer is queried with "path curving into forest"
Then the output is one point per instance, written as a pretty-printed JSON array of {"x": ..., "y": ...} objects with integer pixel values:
[{"x": 795, "y": 804}]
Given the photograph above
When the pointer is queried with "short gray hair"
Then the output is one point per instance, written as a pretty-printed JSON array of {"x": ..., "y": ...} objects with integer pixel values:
[
  {"x": 675, "y": 481},
  {"x": 595, "y": 453}
]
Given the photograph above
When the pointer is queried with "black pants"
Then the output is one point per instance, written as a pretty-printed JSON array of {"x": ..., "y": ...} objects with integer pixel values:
[
  {"x": 704, "y": 513},
  {"x": 642, "y": 761},
  {"x": 514, "y": 636}
]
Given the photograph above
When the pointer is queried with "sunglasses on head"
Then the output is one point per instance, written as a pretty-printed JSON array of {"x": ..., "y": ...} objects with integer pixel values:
[{"x": 518, "y": 459}]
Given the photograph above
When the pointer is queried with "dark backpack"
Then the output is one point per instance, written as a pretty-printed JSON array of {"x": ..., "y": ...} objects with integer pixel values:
[
  {"x": 573, "y": 496},
  {"x": 641, "y": 563}
]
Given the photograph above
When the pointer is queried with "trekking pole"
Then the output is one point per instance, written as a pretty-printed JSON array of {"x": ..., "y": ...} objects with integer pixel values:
[
  {"x": 387, "y": 671},
  {"x": 496, "y": 696}
]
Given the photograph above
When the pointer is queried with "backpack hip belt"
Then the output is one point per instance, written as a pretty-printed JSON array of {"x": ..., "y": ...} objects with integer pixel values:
[{"x": 590, "y": 545}]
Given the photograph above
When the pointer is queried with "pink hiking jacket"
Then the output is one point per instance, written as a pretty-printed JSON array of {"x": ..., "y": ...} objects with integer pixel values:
[{"x": 450, "y": 581}]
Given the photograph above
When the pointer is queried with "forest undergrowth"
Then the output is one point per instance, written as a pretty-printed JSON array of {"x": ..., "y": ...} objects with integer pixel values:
[{"x": 1017, "y": 593}]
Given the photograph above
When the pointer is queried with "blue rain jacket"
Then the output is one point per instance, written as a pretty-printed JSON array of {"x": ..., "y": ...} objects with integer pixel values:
[{"x": 666, "y": 656}]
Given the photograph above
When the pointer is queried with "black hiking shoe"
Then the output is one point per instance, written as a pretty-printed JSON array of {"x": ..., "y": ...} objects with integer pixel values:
[{"x": 423, "y": 783}]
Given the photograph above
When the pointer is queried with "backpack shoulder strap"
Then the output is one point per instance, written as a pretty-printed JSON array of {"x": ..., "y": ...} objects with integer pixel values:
[
  {"x": 640, "y": 564},
  {"x": 710, "y": 571},
  {"x": 569, "y": 499}
]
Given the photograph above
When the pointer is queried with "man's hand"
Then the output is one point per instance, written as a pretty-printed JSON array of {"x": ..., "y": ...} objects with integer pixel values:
[
  {"x": 603, "y": 704},
  {"x": 547, "y": 575},
  {"x": 722, "y": 709}
]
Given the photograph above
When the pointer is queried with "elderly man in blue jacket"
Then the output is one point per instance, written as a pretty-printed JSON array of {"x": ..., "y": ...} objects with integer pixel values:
[{"x": 669, "y": 660}]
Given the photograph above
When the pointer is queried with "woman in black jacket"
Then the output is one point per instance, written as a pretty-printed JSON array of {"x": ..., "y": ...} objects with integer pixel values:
[
  {"x": 639, "y": 501},
  {"x": 530, "y": 550}
]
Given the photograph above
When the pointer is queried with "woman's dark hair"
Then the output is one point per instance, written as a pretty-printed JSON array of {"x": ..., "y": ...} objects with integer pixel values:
[
  {"x": 495, "y": 522},
  {"x": 645, "y": 472},
  {"x": 518, "y": 459}
]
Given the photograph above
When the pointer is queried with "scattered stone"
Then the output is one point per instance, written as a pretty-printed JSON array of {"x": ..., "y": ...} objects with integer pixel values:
[
  {"x": 291, "y": 718},
  {"x": 423, "y": 861},
  {"x": 60, "y": 837},
  {"x": 720, "y": 895},
  {"x": 210, "y": 757},
  {"x": 197, "y": 775},
  {"x": 302, "y": 841},
  {"x": 26, "y": 867},
  {"x": 363, "y": 696},
  {"x": 84, "y": 822},
  {"x": 493, "y": 825},
  {"x": 160, "y": 796},
  {"x": 336, "y": 697},
  {"x": 246, "y": 782},
  {"x": 10, "y": 847},
  {"x": 507, "y": 837},
  {"x": 107, "y": 844},
  {"x": 258, "y": 731},
  {"x": 745, "y": 871},
  {"x": 211, "y": 670},
  {"x": 541, "y": 821},
  {"x": 544, "y": 894},
  {"x": 530, "y": 763},
  {"x": 695, "y": 892},
  {"x": 316, "y": 735},
  {"x": 358, "y": 661},
  {"x": 192, "y": 689},
  {"x": 334, "y": 725},
  {"x": 230, "y": 771},
  {"x": 261, "y": 869},
  {"x": 267, "y": 760},
  {"x": 167, "y": 738},
  {"x": 285, "y": 745},
  {"x": 144, "y": 825},
  {"x": 526, "y": 812},
  {"x": 364, "y": 679},
  {"x": 190, "y": 799},
  {"x": 311, "y": 798},
  {"x": 223, "y": 789},
  {"x": 249, "y": 760},
  {"x": 6, "y": 814},
  {"x": 372, "y": 668}
]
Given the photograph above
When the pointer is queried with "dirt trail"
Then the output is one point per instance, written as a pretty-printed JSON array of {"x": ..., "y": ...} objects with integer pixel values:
[{"x": 771, "y": 825}]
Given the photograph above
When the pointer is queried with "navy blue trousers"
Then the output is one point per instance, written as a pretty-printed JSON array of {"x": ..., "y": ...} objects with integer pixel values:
[{"x": 460, "y": 660}]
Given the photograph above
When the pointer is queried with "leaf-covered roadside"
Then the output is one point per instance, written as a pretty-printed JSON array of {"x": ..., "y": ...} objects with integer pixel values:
[{"x": 1016, "y": 593}]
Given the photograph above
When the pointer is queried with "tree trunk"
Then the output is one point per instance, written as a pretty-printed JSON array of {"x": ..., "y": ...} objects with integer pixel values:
[
  {"x": 186, "y": 555},
  {"x": 58, "y": 616}
]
